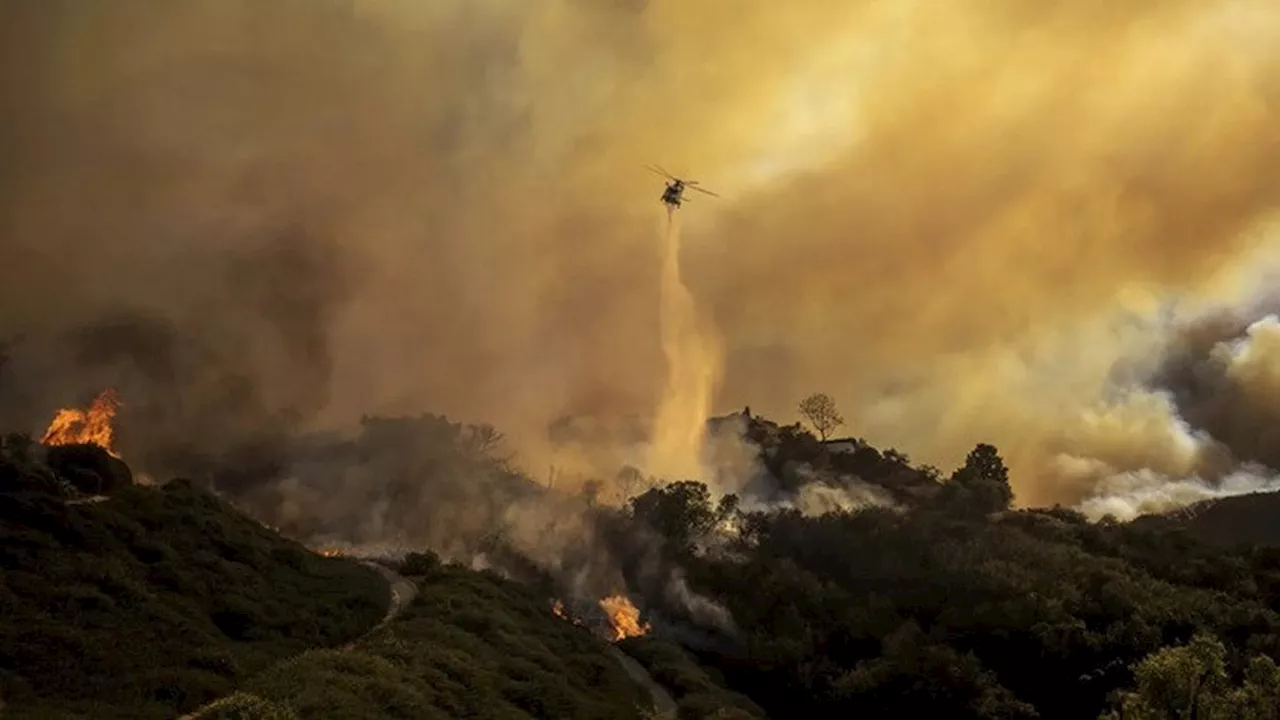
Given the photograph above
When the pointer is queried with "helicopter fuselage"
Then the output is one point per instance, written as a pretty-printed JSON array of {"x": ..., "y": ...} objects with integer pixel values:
[{"x": 673, "y": 194}]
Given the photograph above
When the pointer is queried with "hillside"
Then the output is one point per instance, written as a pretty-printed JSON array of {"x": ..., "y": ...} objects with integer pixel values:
[
  {"x": 961, "y": 607},
  {"x": 155, "y": 600},
  {"x": 1230, "y": 521},
  {"x": 471, "y": 645},
  {"x": 151, "y": 602},
  {"x": 943, "y": 602}
]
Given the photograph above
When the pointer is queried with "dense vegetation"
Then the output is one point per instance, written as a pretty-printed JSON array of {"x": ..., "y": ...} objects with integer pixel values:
[
  {"x": 473, "y": 645},
  {"x": 698, "y": 692},
  {"x": 154, "y": 601},
  {"x": 960, "y": 607},
  {"x": 933, "y": 598}
]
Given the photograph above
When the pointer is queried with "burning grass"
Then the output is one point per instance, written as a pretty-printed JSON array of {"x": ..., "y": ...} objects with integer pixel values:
[{"x": 155, "y": 602}]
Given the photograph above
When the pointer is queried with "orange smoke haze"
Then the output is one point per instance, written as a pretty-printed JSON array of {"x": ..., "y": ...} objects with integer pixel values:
[
  {"x": 94, "y": 426},
  {"x": 954, "y": 218}
]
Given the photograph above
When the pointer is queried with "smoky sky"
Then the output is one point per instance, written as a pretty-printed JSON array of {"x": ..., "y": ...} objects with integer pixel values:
[{"x": 909, "y": 189}]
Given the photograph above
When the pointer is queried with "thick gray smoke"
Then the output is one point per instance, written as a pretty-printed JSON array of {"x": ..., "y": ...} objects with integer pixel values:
[
  {"x": 237, "y": 361},
  {"x": 1217, "y": 389}
]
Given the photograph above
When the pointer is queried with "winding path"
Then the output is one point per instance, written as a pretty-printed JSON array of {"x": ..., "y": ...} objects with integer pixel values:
[
  {"x": 663, "y": 703},
  {"x": 403, "y": 591}
]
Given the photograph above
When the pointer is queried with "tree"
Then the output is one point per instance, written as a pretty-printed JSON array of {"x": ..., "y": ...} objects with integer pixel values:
[
  {"x": 1185, "y": 681},
  {"x": 681, "y": 512},
  {"x": 727, "y": 508},
  {"x": 981, "y": 485},
  {"x": 820, "y": 410},
  {"x": 1190, "y": 681}
]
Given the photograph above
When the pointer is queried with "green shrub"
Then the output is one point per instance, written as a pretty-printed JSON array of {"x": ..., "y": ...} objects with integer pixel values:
[
  {"x": 155, "y": 601},
  {"x": 419, "y": 563}
]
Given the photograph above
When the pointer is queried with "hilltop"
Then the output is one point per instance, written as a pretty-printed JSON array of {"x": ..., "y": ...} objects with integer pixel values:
[
  {"x": 791, "y": 458},
  {"x": 1241, "y": 520}
]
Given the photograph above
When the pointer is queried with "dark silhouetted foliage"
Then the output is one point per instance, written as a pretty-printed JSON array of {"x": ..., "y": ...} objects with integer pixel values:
[
  {"x": 89, "y": 468},
  {"x": 981, "y": 485},
  {"x": 681, "y": 512},
  {"x": 154, "y": 601}
]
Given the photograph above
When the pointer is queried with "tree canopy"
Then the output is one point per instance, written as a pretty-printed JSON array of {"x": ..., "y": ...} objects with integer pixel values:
[{"x": 821, "y": 412}]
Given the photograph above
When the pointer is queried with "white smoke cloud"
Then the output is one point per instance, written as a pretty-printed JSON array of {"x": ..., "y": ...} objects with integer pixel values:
[{"x": 1128, "y": 495}]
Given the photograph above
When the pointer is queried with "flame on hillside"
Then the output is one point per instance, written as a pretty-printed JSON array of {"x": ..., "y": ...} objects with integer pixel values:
[
  {"x": 624, "y": 617},
  {"x": 559, "y": 610},
  {"x": 94, "y": 426},
  {"x": 329, "y": 552}
]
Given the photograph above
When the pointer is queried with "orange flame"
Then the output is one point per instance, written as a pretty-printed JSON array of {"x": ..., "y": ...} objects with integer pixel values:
[
  {"x": 71, "y": 426},
  {"x": 329, "y": 553},
  {"x": 624, "y": 617},
  {"x": 559, "y": 610}
]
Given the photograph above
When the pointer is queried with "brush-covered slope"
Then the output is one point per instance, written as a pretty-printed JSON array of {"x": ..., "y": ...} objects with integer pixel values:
[
  {"x": 471, "y": 645},
  {"x": 155, "y": 600},
  {"x": 1252, "y": 519},
  {"x": 699, "y": 692}
]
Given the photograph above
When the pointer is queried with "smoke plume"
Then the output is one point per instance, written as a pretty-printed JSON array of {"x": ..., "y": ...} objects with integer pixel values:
[{"x": 954, "y": 218}]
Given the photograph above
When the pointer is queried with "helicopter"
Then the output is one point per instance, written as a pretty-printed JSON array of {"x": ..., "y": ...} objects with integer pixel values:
[{"x": 673, "y": 196}]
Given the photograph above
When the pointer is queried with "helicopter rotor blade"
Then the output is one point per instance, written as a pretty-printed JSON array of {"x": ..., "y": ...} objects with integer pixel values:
[
  {"x": 701, "y": 190},
  {"x": 660, "y": 171}
]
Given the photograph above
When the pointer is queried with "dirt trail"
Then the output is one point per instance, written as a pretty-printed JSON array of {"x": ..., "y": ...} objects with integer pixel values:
[
  {"x": 663, "y": 703},
  {"x": 403, "y": 591}
]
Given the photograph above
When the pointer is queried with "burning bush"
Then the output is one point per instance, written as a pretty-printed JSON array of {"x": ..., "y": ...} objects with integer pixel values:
[
  {"x": 93, "y": 426},
  {"x": 624, "y": 617}
]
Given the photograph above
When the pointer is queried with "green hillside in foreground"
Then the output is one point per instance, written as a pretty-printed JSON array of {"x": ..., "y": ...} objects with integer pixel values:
[
  {"x": 697, "y": 691},
  {"x": 154, "y": 601},
  {"x": 472, "y": 645}
]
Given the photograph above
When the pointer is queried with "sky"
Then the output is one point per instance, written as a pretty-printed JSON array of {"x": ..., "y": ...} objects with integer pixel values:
[{"x": 976, "y": 221}]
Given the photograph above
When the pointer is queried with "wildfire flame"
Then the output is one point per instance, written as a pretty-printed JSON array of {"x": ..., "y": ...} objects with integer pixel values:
[
  {"x": 71, "y": 426},
  {"x": 329, "y": 553},
  {"x": 624, "y": 617},
  {"x": 557, "y": 607}
]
